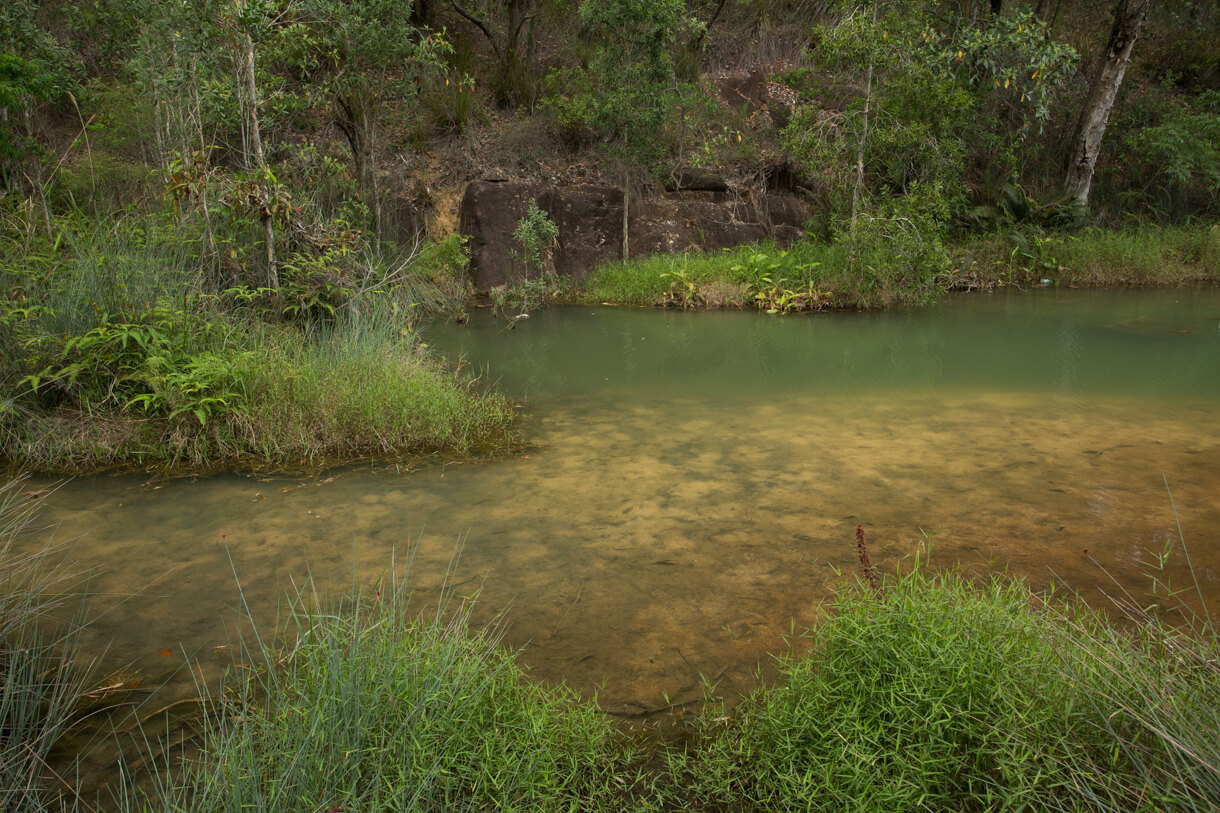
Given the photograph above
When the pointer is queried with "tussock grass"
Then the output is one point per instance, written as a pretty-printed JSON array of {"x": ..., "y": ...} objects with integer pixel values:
[
  {"x": 942, "y": 696},
  {"x": 369, "y": 705},
  {"x": 1148, "y": 255},
  {"x": 42, "y": 679},
  {"x": 361, "y": 387},
  {"x": 951, "y": 695}
]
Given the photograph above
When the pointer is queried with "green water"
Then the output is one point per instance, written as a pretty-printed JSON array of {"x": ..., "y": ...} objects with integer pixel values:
[
  {"x": 695, "y": 480},
  {"x": 1060, "y": 344}
]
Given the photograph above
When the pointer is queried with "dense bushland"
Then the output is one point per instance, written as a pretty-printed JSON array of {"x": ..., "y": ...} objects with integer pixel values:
[{"x": 201, "y": 200}]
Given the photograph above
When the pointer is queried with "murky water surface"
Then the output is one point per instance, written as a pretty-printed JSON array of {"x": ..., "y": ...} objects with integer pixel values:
[{"x": 697, "y": 480}]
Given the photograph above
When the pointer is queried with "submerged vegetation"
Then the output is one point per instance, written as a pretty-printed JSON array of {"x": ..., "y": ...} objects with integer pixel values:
[{"x": 924, "y": 690}]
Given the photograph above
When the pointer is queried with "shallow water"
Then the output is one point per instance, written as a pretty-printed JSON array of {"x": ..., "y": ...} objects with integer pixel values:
[{"x": 696, "y": 480}]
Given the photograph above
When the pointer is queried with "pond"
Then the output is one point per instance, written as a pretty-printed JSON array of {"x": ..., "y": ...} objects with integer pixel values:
[{"x": 694, "y": 481}]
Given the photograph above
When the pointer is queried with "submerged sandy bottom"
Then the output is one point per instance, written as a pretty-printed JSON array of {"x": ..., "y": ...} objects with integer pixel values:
[{"x": 643, "y": 545}]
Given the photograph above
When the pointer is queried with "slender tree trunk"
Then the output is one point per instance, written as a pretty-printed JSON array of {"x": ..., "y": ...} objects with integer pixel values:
[
  {"x": 858, "y": 188},
  {"x": 260, "y": 158},
  {"x": 369, "y": 163},
  {"x": 1129, "y": 16},
  {"x": 626, "y": 184}
]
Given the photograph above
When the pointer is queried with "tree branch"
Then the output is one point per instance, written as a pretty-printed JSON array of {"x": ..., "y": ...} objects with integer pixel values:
[{"x": 482, "y": 26}]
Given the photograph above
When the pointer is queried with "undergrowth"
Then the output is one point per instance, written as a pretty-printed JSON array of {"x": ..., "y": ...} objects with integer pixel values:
[
  {"x": 876, "y": 271},
  {"x": 945, "y": 693},
  {"x": 122, "y": 348},
  {"x": 369, "y": 704},
  {"x": 43, "y": 679}
]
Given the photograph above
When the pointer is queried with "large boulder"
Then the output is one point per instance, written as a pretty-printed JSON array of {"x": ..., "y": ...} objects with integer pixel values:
[
  {"x": 668, "y": 225},
  {"x": 590, "y": 221},
  {"x": 489, "y": 213},
  {"x": 700, "y": 213}
]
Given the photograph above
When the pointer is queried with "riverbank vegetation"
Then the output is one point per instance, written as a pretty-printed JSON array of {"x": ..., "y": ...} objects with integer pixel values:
[
  {"x": 199, "y": 201},
  {"x": 925, "y": 689},
  {"x": 810, "y": 276},
  {"x": 122, "y": 347}
]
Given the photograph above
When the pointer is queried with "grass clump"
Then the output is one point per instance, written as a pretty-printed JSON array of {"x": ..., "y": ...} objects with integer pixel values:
[
  {"x": 949, "y": 695},
  {"x": 1148, "y": 255},
  {"x": 877, "y": 265},
  {"x": 361, "y": 387},
  {"x": 739, "y": 277},
  {"x": 373, "y": 707},
  {"x": 42, "y": 680},
  {"x": 942, "y": 696}
]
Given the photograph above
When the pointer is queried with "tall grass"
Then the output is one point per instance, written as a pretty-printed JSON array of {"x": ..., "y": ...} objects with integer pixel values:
[
  {"x": 879, "y": 274},
  {"x": 942, "y": 696},
  {"x": 951, "y": 695},
  {"x": 362, "y": 386},
  {"x": 42, "y": 679},
  {"x": 372, "y": 705},
  {"x": 1148, "y": 255}
]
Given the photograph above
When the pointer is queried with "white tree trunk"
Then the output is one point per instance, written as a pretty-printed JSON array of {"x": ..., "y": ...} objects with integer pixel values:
[{"x": 1129, "y": 17}]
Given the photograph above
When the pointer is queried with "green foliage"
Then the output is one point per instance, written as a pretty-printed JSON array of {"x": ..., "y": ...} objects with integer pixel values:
[
  {"x": 941, "y": 696},
  {"x": 156, "y": 364},
  {"x": 941, "y": 693},
  {"x": 34, "y": 68},
  {"x": 116, "y": 326},
  {"x": 535, "y": 235},
  {"x": 1150, "y": 255},
  {"x": 1184, "y": 149},
  {"x": 516, "y": 300},
  {"x": 935, "y": 93},
  {"x": 1014, "y": 56},
  {"x": 896, "y": 253},
  {"x": 626, "y": 92},
  {"x": 369, "y": 705}
]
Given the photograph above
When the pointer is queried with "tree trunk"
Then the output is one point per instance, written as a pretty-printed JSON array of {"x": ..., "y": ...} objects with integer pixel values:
[
  {"x": 626, "y": 184},
  {"x": 1129, "y": 16},
  {"x": 260, "y": 158},
  {"x": 858, "y": 187}
]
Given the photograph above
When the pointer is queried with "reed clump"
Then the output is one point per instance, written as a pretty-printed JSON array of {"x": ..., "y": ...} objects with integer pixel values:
[
  {"x": 371, "y": 706},
  {"x": 42, "y": 676},
  {"x": 947, "y": 693}
]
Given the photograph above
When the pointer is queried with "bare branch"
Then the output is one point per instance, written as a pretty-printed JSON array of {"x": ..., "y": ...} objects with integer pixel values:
[{"x": 482, "y": 26}]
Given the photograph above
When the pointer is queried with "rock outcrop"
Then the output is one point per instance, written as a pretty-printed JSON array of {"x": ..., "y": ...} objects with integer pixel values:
[{"x": 699, "y": 212}]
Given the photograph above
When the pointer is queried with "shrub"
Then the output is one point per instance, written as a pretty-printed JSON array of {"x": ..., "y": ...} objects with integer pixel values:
[
  {"x": 370, "y": 707},
  {"x": 942, "y": 696}
]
